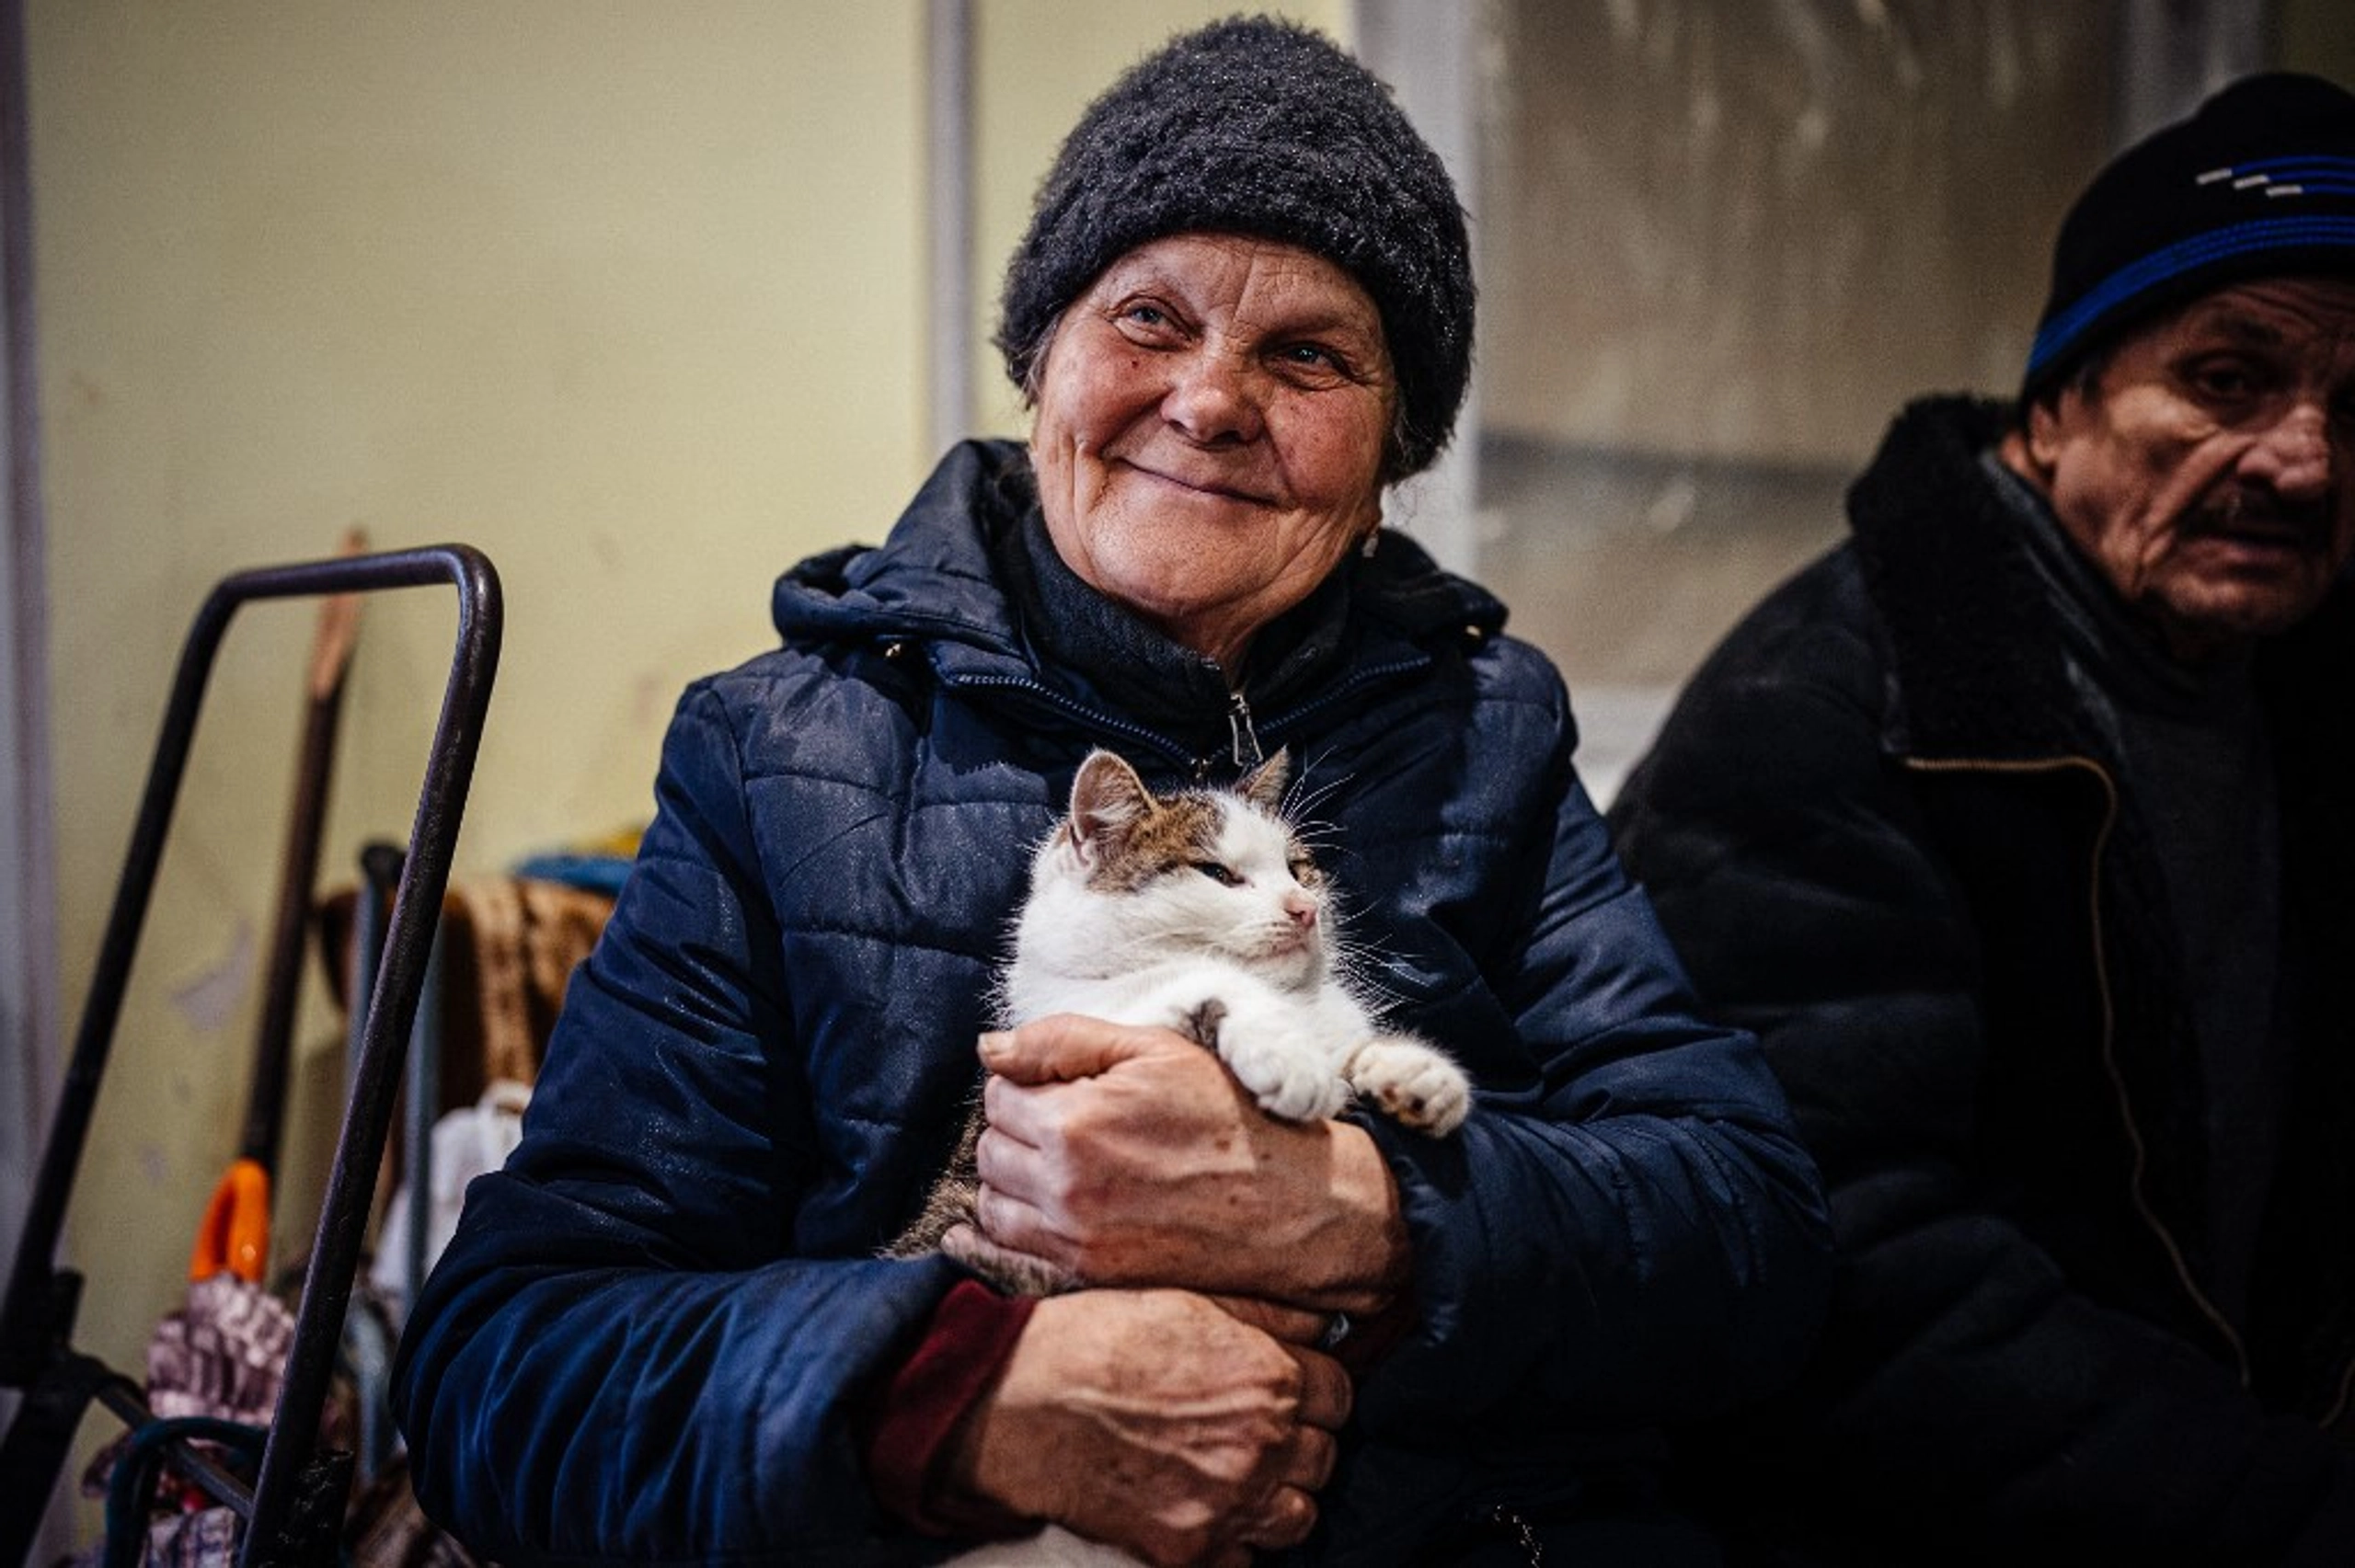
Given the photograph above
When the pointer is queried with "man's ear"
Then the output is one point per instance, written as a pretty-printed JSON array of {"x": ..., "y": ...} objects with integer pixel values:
[{"x": 2044, "y": 431}]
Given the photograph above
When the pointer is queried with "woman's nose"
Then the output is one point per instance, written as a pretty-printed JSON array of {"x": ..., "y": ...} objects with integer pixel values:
[{"x": 1213, "y": 398}]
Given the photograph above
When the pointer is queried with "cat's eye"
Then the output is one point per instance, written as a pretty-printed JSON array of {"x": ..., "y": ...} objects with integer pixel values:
[{"x": 1220, "y": 875}]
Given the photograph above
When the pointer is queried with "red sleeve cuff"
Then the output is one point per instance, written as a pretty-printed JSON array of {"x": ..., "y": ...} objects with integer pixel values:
[{"x": 911, "y": 1423}]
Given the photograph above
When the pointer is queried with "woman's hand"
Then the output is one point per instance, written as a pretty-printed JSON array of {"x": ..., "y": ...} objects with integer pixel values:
[
  {"x": 1129, "y": 1156},
  {"x": 1180, "y": 1428}
]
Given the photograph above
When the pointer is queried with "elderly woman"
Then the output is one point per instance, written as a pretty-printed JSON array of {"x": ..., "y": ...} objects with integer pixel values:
[{"x": 664, "y": 1333}]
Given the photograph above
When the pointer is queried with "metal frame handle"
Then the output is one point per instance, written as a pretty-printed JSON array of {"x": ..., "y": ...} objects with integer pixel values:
[{"x": 36, "y": 1318}]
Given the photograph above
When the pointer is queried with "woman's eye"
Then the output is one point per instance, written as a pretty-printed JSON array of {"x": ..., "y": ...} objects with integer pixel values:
[
  {"x": 1311, "y": 356},
  {"x": 1219, "y": 874}
]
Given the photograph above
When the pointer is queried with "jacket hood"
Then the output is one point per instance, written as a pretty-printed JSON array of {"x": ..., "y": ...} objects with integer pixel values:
[
  {"x": 1978, "y": 656},
  {"x": 932, "y": 577}
]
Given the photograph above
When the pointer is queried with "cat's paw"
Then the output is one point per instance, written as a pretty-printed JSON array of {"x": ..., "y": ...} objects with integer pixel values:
[
  {"x": 1287, "y": 1070},
  {"x": 1290, "y": 1081},
  {"x": 1413, "y": 1083}
]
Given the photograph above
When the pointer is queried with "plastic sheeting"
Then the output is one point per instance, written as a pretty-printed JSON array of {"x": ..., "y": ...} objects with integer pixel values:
[{"x": 1721, "y": 242}]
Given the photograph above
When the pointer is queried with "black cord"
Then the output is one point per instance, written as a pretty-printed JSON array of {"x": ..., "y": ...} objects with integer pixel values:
[{"x": 133, "y": 1485}]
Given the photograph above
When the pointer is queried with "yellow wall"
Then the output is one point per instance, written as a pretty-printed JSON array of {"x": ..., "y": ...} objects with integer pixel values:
[{"x": 628, "y": 295}]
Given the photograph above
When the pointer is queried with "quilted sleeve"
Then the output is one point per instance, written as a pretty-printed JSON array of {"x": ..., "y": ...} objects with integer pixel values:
[
  {"x": 617, "y": 1357},
  {"x": 1636, "y": 1237}
]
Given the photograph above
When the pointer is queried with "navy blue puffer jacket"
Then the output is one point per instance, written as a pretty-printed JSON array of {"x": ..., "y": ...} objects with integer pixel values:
[{"x": 651, "y": 1334}]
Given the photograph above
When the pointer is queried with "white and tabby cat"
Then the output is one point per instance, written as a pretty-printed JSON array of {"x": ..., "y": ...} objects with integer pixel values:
[{"x": 1201, "y": 910}]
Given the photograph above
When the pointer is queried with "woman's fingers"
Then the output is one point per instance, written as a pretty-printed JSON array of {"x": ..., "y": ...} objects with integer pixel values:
[
  {"x": 1310, "y": 1465},
  {"x": 1157, "y": 1170},
  {"x": 1284, "y": 1520},
  {"x": 1326, "y": 1392},
  {"x": 1013, "y": 1225},
  {"x": 1063, "y": 1047},
  {"x": 1159, "y": 1422},
  {"x": 1294, "y": 1325}
]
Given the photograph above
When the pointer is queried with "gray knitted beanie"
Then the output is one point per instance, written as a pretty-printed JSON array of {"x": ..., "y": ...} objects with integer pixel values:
[{"x": 1258, "y": 126}]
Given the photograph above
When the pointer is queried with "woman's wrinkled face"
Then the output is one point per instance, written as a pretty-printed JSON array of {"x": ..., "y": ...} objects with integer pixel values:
[
  {"x": 2210, "y": 473},
  {"x": 1209, "y": 432}
]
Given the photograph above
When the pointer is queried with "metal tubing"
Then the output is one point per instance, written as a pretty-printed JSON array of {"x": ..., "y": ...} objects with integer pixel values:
[
  {"x": 212, "y": 1477},
  {"x": 392, "y": 1013},
  {"x": 424, "y": 1110},
  {"x": 380, "y": 870},
  {"x": 36, "y": 1317}
]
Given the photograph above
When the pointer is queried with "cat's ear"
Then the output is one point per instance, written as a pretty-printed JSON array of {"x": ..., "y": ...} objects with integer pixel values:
[
  {"x": 1106, "y": 800},
  {"x": 1264, "y": 787}
]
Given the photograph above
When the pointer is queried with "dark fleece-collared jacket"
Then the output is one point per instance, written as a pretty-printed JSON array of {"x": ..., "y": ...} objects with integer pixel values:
[
  {"x": 654, "y": 1333},
  {"x": 1885, "y": 834}
]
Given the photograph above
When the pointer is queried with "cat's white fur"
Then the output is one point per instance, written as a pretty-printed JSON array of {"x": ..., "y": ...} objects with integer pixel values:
[
  {"x": 1249, "y": 943},
  {"x": 1242, "y": 955}
]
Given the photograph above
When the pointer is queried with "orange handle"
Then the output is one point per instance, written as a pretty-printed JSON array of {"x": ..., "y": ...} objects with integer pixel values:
[{"x": 234, "y": 1236}]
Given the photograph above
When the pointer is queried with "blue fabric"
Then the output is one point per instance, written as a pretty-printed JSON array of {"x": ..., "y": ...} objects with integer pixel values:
[
  {"x": 2312, "y": 236},
  {"x": 652, "y": 1332},
  {"x": 591, "y": 873}
]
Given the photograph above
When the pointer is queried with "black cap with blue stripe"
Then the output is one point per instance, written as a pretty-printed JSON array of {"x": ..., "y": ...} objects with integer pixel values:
[{"x": 2260, "y": 182}]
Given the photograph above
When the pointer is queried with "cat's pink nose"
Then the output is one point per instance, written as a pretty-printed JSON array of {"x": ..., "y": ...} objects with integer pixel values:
[{"x": 1303, "y": 913}]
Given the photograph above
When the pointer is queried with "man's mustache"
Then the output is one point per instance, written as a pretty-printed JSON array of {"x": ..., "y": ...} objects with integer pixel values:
[{"x": 2252, "y": 510}]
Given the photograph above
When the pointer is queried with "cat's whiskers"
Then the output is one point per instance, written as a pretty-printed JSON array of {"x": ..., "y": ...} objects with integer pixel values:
[
  {"x": 1301, "y": 802},
  {"x": 1196, "y": 911}
]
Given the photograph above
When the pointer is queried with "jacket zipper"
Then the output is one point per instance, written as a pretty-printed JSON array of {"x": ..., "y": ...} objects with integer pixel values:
[
  {"x": 1349, "y": 687},
  {"x": 1091, "y": 717},
  {"x": 1240, "y": 735},
  {"x": 2141, "y": 1156}
]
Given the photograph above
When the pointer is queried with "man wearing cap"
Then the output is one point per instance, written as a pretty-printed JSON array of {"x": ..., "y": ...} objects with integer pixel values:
[{"x": 2019, "y": 829}]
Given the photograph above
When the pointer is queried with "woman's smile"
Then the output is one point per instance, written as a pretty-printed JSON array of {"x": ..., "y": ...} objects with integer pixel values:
[{"x": 1210, "y": 432}]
